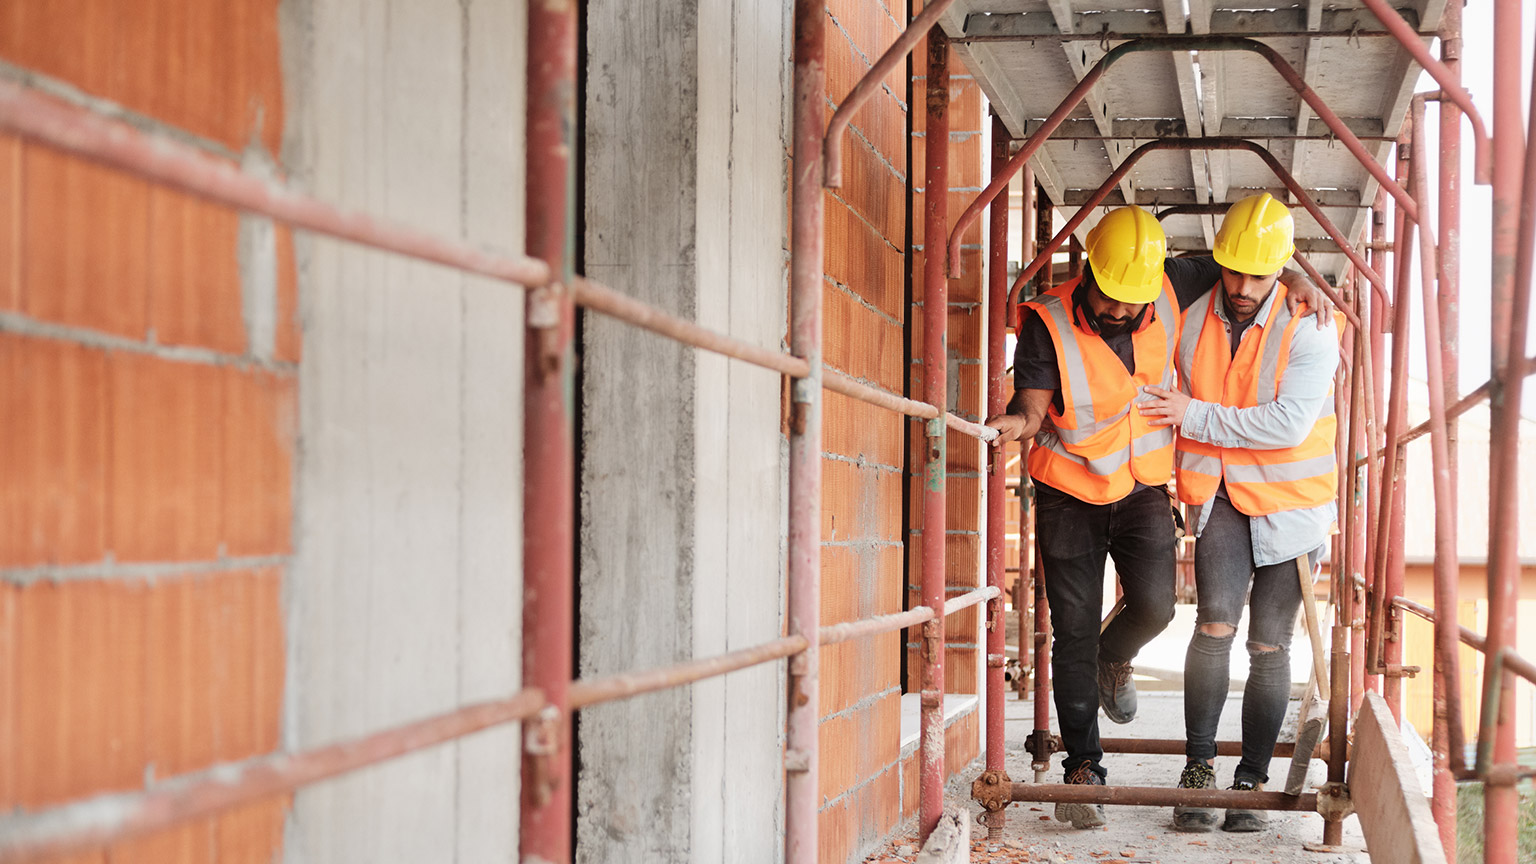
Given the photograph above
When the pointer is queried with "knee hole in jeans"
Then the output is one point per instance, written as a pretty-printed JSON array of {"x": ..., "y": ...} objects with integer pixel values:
[{"x": 1219, "y": 629}]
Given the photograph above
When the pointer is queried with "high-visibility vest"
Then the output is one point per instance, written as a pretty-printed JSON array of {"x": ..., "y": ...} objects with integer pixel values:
[
  {"x": 1100, "y": 446},
  {"x": 1259, "y": 482}
]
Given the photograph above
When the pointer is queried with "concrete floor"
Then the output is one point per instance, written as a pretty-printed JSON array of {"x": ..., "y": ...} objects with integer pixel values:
[
  {"x": 1145, "y": 834},
  {"x": 1137, "y": 834}
]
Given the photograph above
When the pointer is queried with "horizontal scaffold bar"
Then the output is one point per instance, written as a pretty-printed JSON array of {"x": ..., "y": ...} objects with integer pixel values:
[{"x": 1161, "y": 796}]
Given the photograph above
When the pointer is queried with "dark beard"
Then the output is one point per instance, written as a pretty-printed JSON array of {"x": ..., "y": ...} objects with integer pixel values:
[{"x": 1118, "y": 328}]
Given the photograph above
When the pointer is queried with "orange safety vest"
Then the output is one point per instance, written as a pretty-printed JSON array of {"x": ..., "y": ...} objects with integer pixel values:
[
  {"x": 1099, "y": 446},
  {"x": 1259, "y": 482}
]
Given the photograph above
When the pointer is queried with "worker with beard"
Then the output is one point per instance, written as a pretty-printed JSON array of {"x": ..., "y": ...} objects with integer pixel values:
[
  {"x": 1086, "y": 351},
  {"x": 1255, "y": 462}
]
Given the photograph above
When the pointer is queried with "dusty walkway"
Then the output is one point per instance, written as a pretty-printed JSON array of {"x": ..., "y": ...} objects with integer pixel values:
[{"x": 1139, "y": 834}]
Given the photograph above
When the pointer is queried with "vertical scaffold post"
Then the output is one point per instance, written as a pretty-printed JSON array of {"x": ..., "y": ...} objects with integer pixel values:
[
  {"x": 548, "y": 409},
  {"x": 1446, "y": 568},
  {"x": 1512, "y": 225},
  {"x": 935, "y": 386},
  {"x": 807, "y": 248},
  {"x": 994, "y": 789},
  {"x": 1026, "y": 583}
]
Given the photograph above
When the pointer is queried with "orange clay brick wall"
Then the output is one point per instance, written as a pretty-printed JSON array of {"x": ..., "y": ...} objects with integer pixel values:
[
  {"x": 862, "y": 471},
  {"x": 867, "y": 788},
  {"x": 147, "y": 436},
  {"x": 966, "y": 378}
]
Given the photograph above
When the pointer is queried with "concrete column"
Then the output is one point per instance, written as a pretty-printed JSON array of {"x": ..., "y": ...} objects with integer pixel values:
[
  {"x": 682, "y": 469},
  {"x": 405, "y": 599}
]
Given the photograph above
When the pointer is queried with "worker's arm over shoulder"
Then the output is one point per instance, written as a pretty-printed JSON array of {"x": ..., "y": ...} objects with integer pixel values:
[{"x": 1300, "y": 399}]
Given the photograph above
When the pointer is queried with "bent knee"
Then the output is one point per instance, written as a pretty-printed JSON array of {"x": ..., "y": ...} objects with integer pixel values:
[{"x": 1219, "y": 629}]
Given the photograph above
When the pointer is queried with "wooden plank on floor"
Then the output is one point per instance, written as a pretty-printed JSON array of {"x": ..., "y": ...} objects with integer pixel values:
[{"x": 1394, "y": 814}]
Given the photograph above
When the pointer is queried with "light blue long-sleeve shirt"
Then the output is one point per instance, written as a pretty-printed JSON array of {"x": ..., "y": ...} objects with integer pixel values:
[{"x": 1302, "y": 396}]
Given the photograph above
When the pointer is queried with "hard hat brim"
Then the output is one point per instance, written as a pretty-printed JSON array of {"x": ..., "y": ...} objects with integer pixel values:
[
  {"x": 1248, "y": 266},
  {"x": 1129, "y": 292}
]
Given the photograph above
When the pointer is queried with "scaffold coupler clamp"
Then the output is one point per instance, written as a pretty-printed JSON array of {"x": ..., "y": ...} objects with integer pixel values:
[
  {"x": 541, "y": 741},
  {"x": 1333, "y": 802},
  {"x": 1041, "y": 744},
  {"x": 993, "y": 790}
]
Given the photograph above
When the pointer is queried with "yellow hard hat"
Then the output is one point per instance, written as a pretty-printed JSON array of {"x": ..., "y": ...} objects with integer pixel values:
[
  {"x": 1126, "y": 251},
  {"x": 1256, "y": 236}
]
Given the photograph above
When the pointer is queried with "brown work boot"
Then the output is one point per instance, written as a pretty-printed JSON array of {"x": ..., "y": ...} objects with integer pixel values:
[
  {"x": 1244, "y": 821},
  {"x": 1082, "y": 815},
  {"x": 1117, "y": 692},
  {"x": 1197, "y": 775}
]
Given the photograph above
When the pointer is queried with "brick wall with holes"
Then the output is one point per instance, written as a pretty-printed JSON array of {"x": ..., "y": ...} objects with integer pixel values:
[
  {"x": 865, "y": 308},
  {"x": 868, "y": 785},
  {"x": 966, "y": 382},
  {"x": 148, "y": 351}
]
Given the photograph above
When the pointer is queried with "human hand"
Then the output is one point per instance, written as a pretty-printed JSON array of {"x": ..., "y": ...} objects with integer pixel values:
[
  {"x": 1304, "y": 298},
  {"x": 1012, "y": 427},
  {"x": 1165, "y": 410}
]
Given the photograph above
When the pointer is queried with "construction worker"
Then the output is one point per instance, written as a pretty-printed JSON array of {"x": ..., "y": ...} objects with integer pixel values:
[
  {"x": 1255, "y": 461},
  {"x": 1100, "y": 470}
]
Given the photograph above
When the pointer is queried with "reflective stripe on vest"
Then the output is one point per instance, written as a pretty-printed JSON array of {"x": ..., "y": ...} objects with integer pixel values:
[
  {"x": 1096, "y": 447},
  {"x": 1259, "y": 482}
]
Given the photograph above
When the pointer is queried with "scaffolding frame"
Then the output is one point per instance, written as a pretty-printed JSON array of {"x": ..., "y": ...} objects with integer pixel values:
[
  {"x": 1370, "y": 660},
  {"x": 1359, "y": 660},
  {"x": 550, "y": 695}
]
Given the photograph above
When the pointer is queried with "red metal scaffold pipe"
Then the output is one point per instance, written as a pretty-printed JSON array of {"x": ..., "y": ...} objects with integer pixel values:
[
  {"x": 1221, "y": 143},
  {"x": 935, "y": 383},
  {"x": 1514, "y": 220},
  {"x": 807, "y": 251},
  {"x": 548, "y": 447},
  {"x": 1178, "y": 43},
  {"x": 997, "y": 460}
]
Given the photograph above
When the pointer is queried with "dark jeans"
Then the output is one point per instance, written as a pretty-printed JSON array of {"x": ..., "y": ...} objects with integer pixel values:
[
  {"x": 1137, "y": 531},
  {"x": 1224, "y": 572}
]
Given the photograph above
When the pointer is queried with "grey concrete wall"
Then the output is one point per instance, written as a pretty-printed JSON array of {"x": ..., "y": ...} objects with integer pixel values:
[
  {"x": 406, "y": 598},
  {"x": 682, "y": 480}
]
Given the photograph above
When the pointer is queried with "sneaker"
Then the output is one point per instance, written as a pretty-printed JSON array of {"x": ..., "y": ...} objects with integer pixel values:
[
  {"x": 1082, "y": 815},
  {"x": 1117, "y": 692},
  {"x": 1244, "y": 821},
  {"x": 1197, "y": 775}
]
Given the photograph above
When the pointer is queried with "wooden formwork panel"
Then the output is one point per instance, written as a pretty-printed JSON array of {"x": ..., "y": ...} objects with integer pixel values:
[{"x": 1394, "y": 814}]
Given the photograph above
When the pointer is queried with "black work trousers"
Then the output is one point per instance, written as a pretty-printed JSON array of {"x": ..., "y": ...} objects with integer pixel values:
[{"x": 1075, "y": 536}]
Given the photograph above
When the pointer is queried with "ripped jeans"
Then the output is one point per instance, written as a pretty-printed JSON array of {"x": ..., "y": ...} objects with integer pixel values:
[{"x": 1224, "y": 572}]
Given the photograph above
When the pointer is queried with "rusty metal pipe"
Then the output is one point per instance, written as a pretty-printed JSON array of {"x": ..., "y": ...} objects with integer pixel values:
[
  {"x": 971, "y": 598},
  {"x": 1175, "y": 747},
  {"x": 1042, "y": 696},
  {"x": 1391, "y": 486},
  {"x": 95, "y": 822},
  {"x": 1161, "y": 796},
  {"x": 1175, "y": 43},
  {"x": 624, "y": 685},
  {"x": 831, "y": 634},
  {"x": 997, "y": 317},
  {"x": 1447, "y": 566},
  {"x": 935, "y": 383},
  {"x": 1194, "y": 144},
  {"x": 807, "y": 259},
  {"x": 1323, "y": 286},
  {"x": 837, "y": 382},
  {"x": 1449, "y": 81},
  {"x": 549, "y": 500},
  {"x": 1514, "y": 222},
  {"x": 79, "y": 131},
  {"x": 870, "y": 84}
]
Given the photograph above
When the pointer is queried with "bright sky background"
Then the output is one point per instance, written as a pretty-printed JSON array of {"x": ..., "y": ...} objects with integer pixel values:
[{"x": 1477, "y": 77}]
